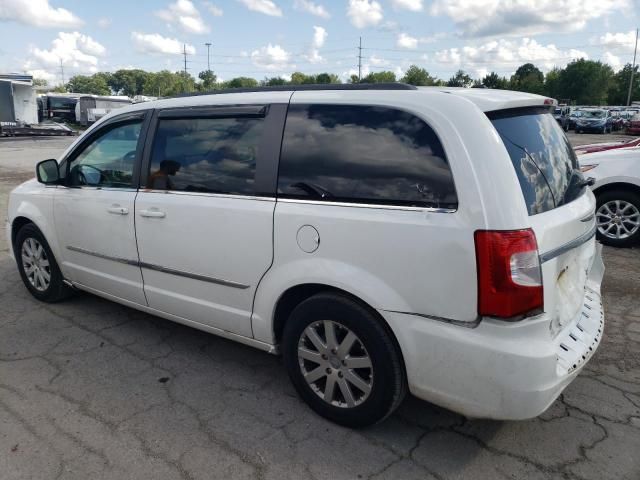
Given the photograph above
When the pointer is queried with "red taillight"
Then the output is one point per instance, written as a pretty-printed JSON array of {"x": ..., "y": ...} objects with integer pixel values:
[{"x": 509, "y": 274}]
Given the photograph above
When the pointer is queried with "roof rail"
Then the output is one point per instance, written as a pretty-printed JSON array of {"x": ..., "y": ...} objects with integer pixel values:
[{"x": 305, "y": 87}]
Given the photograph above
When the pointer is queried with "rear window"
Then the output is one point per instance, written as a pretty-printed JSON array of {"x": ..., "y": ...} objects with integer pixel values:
[
  {"x": 363, "y": 154},
  {"x": 542, "y": 157}
]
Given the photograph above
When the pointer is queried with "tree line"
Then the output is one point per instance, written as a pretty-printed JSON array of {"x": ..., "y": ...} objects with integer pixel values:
[{"x": 581, "y": 82}]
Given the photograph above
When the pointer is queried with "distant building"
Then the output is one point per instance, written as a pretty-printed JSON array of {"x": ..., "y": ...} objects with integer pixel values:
[{"x": 18, "y": 102}]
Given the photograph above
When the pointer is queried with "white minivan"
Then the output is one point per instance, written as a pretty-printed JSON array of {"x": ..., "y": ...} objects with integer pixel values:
[{"x": 380, "y": 237}]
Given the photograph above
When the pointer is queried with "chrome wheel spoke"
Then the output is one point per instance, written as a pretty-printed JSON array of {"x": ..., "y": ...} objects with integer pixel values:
[
  {"x": 330, "y": 335},
  {"x": 310, "y": 355},
  {"x": 329, "y": 389},
  {"x": 345, "y": 389},
  {"x": 347, "y": 344},
  {"x": 313, "y": 336},
  {"x": 315, "y": 375},
  {"x": 358, "y": 382},
  {"x": 357, "y": 362}
]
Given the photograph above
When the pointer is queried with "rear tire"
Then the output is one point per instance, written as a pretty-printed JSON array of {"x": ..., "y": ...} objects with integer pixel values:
[
  {"x": 38, "y": 267},
  {"x": 618, "y": 218},
  {"x": 356, "y": 386}
]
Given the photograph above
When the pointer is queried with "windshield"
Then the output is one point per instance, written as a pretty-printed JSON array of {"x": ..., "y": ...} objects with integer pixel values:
[
  {"x": 544, "y": 161},
  {"x": 593, "y": 113}
]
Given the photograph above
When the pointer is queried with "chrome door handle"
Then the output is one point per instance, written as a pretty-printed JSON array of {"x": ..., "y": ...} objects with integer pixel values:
[
  {"x": 117, "y": 210},
  {"x": 152, "y": 213}
]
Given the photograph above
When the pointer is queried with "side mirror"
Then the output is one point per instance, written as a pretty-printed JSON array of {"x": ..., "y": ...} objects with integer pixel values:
[{"x": 47, "y": 172}]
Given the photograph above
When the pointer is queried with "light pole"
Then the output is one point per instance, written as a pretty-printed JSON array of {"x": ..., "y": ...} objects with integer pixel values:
[
  {"x": 633, "y": 67},
  {"x": 208, "y": 58}
]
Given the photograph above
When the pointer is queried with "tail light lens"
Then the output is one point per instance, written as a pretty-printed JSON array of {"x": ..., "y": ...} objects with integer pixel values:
[{"x": 509, "y": 273}]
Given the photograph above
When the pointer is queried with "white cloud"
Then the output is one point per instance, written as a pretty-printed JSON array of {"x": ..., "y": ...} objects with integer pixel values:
[
  {"x": 319, "y": 37},
  {"x": 154, "y": 43},
  {"x": 104, "y": 22},
  {"x": 184, "y": 14},
  {"x": 378, "y": 62},
  {"x": 311, "y": 7},
  {"x": 406, "y": 41},
  {"x": 272, "y": 57},
  {"x": 613, "y": 60},
  {"x": 213, "y": 9},
  {"x": 364, "y": 13},
  {"x": 75, "y": 50},
  {"x": 413, "y": 5},
  {"x": 263, "y": 6},
  {"x": 619, "y": 40},
  {"x": 506, "y": 55},
  {"x": 38, "y": 13},
  {"x": 494, "y": 17}
]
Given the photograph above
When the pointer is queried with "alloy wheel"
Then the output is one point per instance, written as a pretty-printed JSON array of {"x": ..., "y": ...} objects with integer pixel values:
[
  {"x": 618, "y": 219},
  {"x": 335, "y": 364},
  {"x": 36, "y": 264}
]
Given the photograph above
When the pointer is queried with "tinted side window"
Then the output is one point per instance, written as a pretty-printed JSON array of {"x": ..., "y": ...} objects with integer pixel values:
[
  {"x": 108, "y": 160},
  {"x": 212, "y": 155},
  {"x": 363, "y": 154}
]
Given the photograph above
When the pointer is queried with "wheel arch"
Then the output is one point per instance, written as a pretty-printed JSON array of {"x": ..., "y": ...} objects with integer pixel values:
[
  {"x": 16, "y": 225},
  {"x": 609, "y": 187},
  {"x": 295, "y": 295}
]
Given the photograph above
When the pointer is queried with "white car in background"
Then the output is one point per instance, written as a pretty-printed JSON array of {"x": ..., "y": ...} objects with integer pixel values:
[{"x": 617, "y": 190}]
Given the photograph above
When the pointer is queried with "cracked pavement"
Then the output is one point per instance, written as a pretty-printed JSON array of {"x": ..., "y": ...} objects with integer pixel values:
[{"x": 92, "y": 389}]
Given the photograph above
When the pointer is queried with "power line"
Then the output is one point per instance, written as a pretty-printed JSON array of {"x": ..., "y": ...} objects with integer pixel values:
[{"x": 633, "y": 68}]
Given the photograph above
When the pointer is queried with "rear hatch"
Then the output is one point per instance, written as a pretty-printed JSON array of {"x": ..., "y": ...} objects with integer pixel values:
[{"x": 559, "y": 203}]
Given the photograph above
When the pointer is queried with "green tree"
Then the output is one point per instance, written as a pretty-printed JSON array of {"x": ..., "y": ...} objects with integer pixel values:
[
  {"x": 208, "y": 80},
  {"x": 354, "y": 79},
  {"x": 40, "y": 82},
  {"x": 299, "y": 78},
  {"x": 241, "y": 82},
  {"x": 619, "y": 89},
  {"x": 552, "y": 83},
  {"x": 128, "y": 82},
  {"x": 586, "y": 82},
  {"x": 528, "y": 78},
  {"x": 273, "y": 81},
  {"x": 327, "y": 78},
  {"x": 417, "y": 76},
  {"x": 460, "y": 79},
  {"x": 95, "y": 85},
  {"x": 385, "y": 76},
  {"x": 493, "y": 80}
]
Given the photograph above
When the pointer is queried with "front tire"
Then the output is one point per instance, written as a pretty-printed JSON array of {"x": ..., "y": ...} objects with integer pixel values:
[
  {"x": 618, "y": 218},
  {"x": 342, "y": 361},
  {"x": 38, "y": 267}
]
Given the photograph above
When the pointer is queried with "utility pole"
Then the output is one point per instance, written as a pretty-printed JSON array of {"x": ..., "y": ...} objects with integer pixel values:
[
  {"x": 62, "y": 72},
  {"x": 360, "y": 60},
  {"x": 633, "y": 68},
  {"x": 184, "y": 52},
  {"x": 208, "y": 57}
]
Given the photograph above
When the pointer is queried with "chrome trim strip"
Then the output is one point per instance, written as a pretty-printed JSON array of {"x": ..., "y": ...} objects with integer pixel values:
[
  {"x": 556, "y": 252},
  {"x": 204, "y": 194},
  {"x": 451, "y": 321},
  {"x": 194, "y": 276},
  {"x": 368, "y": 205},
  {"x": 158, "y": 268},
  {"x": 588, "y": 218},
  {"x": 103, "y": 256}
]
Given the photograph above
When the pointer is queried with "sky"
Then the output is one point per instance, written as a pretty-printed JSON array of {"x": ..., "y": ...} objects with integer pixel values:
[{"x": 266, "y": 38}]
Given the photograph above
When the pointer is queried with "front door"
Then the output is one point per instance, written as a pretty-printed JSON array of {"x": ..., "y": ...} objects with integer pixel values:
[
  {"x": 94, "y": 211},
  {"x": 204, "y": 222}
]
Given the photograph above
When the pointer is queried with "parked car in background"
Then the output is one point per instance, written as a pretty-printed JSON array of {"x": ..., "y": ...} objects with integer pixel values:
[
  {"x": 594, "y": 120},
  {"x": 573, "y": 118},
  {"x": 360, "y": 230},
  {"x": 599, "y": 147},
  {"x": 618, "y": 122},
  {"x": 561, "y": 114},
  {"x": 633, "y": 128},
  {"x": 617, "y": 190}
]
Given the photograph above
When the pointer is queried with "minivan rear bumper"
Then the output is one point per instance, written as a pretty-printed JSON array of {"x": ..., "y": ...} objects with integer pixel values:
[{"x": 499, "y": 370}]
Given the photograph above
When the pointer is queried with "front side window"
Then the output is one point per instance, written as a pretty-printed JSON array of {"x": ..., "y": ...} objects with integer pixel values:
[
  {"x": 109, "y": 159},
  {"x": 210, "y": 155},
  {"x": 363, "y": 154}
]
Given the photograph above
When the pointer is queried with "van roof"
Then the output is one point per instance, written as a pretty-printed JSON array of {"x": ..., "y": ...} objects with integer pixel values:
[{"x": 485, "y": 99}]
